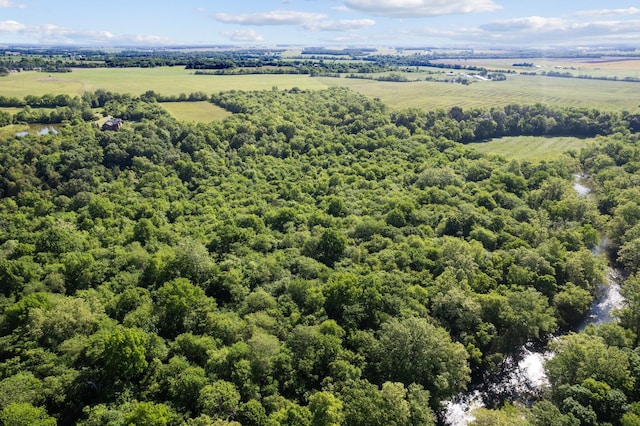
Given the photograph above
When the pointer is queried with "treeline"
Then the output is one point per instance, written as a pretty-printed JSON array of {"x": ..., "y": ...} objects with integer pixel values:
[
  {"x": 588, "y": 77},
  {"x": 473, "y": 125},
  {"x": 354, "y": 53},
  {"x": 30, "y": 63},
  {"x": 254, "y": 71},
  {"x": 394, "y": 77}
]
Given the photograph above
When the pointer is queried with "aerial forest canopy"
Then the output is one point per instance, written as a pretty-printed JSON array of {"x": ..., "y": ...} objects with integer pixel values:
[{"x": 313, "y": 259}]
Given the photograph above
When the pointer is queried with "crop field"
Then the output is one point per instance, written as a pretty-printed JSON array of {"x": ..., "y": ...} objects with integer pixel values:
[
  {"x": 196, "y": 111},
  {"x": 164, "y": 80},
  {"x": 594, "y": 67},
  {"x": 531, "y": 148},
  {"x": 517, "y": 89}
]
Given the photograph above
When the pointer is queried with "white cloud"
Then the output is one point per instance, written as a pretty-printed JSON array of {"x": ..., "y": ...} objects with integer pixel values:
[
  {"x": 145, "y": 39},
  {"x": 421, "y": 8},
  {"x": 8, "y": 3},
  {"x": 341, "y": 25},
  {"x": 556, "y": 31},
  {"x": 11, "y": 27},
  {"x": 609, "y": 12},
  {"x": 243, "y": 35},
  {"x": 531, "y": 23},
  {"x": 53, "y": 34},
  {"x": 305, "y": 20},
  {"x": 532, "y": 31},
  {"x": 276, "y": 17}
]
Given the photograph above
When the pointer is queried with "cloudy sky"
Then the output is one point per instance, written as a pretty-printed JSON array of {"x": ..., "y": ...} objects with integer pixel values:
[{"x": 445, "y": 23}]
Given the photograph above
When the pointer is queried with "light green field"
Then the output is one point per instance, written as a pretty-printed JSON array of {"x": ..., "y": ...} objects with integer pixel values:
[
  {"x": 594, "y": 67},
  {"x": 605, "y": 95},
  {"x": 164, "y": 80},
  {"x": 196, "y": 111},
  {"x": 531, "y": 148}
]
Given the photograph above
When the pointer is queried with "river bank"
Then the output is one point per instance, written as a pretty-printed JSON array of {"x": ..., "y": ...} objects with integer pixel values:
[{"x": 521, "y": 377}]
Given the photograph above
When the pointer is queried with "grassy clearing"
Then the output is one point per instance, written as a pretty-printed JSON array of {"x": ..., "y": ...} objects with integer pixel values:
[
  {"x": 11, "y": 110},
  {"x": 203, "y": 112},
  {"x": 531, "y": 148}
]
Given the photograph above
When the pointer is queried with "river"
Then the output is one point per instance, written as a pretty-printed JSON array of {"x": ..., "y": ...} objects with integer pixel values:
[{"x": 522, "y": 376}]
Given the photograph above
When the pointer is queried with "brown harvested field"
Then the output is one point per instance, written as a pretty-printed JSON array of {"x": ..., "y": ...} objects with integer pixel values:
[{"x": 619, "y": 67}]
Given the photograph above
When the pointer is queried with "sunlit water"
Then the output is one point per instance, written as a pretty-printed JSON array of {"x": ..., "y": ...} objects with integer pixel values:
[
  {"x": 578, "y": 187},
  {"x": 523, "y": 376}
]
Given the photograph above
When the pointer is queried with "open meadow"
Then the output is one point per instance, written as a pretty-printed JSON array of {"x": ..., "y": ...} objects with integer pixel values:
[{"x": 531, "y": 148}]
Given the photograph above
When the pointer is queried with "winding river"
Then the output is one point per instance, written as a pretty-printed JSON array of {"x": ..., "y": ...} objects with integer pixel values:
[{"x": 523, "y": 377}]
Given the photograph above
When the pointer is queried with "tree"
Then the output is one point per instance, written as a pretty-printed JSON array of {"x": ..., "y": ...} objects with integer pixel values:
[
  {"x": 149, "y": 413},
  {"x": 24, "y": 414},
  {"x": 326, "y": 409},
  {"x": 291, "y": 415},
  {"x": 572, "y": 303},
  {"x": 125, "y": 353},
  {"x": 181, "y": 306},
  {"x": 544, "y": 413},
  {"x": 313, "y": 349},
  {"x": 582, "y": 356},
  {"x": 414, "y": 351},
  {"x": 220, "y": 399},
  {"x": 185, "y": 383},
  {"x": 330, "y": 247},
  {"x": 252, "y": 413},
  {"x": 21, "y": 388},
  {"x": 506, "y": 416},
  {"x": 521, "y": 315}
]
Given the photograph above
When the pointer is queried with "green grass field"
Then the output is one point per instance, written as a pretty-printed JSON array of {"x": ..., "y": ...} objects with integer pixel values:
[
  {"x": 10, "y": 110},
  {"x": 606, "y": 95},
  {"x": 531, "y": 148},
  {"x": 518, "y": 89},
  {"x": 594, "y": 67},
  {"x": 164, "y": 80},
  {"x": 196, "y": 111}
]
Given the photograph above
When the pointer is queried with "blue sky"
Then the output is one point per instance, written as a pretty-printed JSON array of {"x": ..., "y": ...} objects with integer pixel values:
[{"x": 444, "y": 23}]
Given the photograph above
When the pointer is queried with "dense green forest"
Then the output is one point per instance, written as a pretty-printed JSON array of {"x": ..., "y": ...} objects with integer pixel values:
[{"x": 314, "y": 259}]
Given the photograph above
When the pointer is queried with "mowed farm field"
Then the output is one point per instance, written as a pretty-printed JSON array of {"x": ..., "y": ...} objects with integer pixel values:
[
  {"x": 164, "y": 80},
  {"x": 532, "y": 148},
  {"x": 517, "y": 89}
]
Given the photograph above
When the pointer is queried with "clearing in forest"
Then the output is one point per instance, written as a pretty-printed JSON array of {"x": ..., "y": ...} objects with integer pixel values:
[{"x": 531, "y": 148}]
